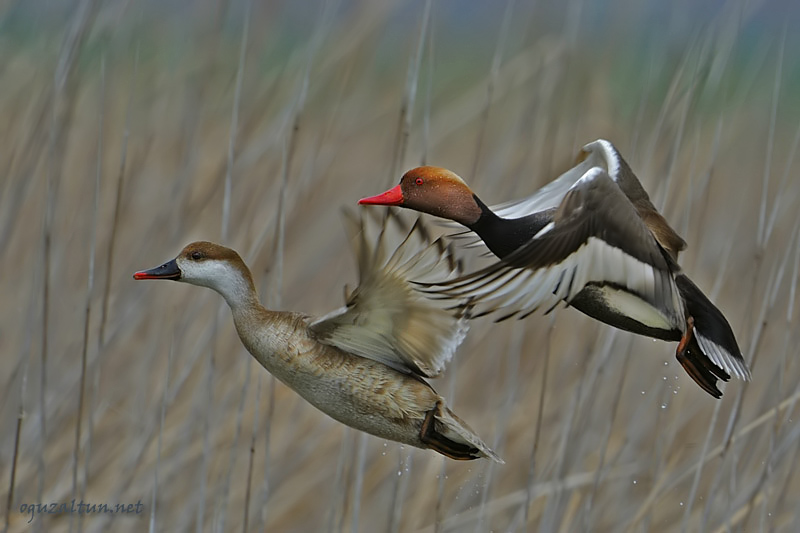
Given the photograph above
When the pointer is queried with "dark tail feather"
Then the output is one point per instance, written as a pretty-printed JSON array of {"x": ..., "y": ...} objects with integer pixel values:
[
  {"x": 451, "y": 449},
  {"x": 447, "y": 434},
  {"x": 447, "y": 447},
  {"x": 701, "y": 369},
  {"x": 711, "y": 324}
]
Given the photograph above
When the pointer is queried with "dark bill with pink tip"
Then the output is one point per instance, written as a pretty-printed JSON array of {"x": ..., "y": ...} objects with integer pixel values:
[{"x": 168, "y": 270}]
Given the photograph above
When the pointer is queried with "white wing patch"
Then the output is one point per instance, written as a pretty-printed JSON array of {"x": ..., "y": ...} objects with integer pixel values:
[
  {"x": 600, "y": 153},
  {"x": 722, "y": 358},
  {"x": 521, "y": 291}
]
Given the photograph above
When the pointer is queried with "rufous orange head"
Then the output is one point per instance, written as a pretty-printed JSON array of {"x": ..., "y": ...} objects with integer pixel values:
[{"x": 433, "y": 190}]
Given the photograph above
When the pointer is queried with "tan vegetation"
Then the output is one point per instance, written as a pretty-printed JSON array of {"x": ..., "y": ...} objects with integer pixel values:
[{"x": 600, "y": 430}]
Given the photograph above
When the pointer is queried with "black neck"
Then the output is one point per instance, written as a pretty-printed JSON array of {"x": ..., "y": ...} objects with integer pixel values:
[{"x": 504, "y": 235}]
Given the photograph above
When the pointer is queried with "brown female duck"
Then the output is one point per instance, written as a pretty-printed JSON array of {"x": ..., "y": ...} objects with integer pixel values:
[{"x": 363, "y": 364}]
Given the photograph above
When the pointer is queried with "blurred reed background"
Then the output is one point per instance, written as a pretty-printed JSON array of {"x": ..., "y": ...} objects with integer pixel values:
[{"x": 133, "y": 128}]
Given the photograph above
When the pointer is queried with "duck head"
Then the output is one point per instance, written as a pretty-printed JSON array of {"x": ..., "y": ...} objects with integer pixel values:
[
  {"x": 433, "y": 190},
  {"x": 209, "y": 265}
]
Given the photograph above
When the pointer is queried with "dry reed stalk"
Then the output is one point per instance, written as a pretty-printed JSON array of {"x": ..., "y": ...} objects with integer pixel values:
[
  {"x": 409, "y": 97},
  {"x": 154, "y": 500},
  {"x": 532, "y": 471},
  {"x": 714, "y": 92},
  {"x": 89, "y": 287},
  {"x": 494, "y": 71},
  {"x": 109, "y": 263},
  {"x": 251, "y": 455},
  {"x": 762, "y": 213}
]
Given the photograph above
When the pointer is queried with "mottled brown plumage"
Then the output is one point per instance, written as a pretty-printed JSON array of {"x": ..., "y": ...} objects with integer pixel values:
[{"x": 356, "y": 364}]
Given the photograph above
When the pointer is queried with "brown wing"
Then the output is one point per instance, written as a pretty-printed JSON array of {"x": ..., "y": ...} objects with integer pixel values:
[
  {"x": 387, "y": 318},
  {"x": 621, "y": 173}
]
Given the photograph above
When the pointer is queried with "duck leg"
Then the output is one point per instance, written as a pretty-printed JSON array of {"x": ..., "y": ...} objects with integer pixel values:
[
  {"x": 696, "y": 364},
  {"x": 686, "y": 339}
]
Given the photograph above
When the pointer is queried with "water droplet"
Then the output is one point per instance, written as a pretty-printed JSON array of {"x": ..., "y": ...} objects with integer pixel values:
[
  {"x": 634, "y": 482},
  {"x": 666, "y": 363},
  {"x": 681, "y": 504},
  {"x": 663, "y": 406},
  {"x": 399, "y": 472},
  {"x": 642, "y": 393}
]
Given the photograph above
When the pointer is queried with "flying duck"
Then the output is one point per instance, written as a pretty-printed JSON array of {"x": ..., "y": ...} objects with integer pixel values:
[
  {"x": 591, "y": 238},
  {"x": 365, "y": 363}
]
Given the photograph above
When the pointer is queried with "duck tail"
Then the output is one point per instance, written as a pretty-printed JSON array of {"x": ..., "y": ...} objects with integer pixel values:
[
  {"x": 713, "y": 352},
  {"x": 700, "y": 368},
  {"x": 443, "y": 432}
]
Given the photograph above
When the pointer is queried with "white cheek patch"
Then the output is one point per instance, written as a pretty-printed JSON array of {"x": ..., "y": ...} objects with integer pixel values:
[{"x": 217, "y": 275}]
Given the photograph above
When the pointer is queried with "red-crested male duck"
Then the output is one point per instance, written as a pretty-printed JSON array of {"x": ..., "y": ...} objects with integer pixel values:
[
  {"x": 591, "y": 238},
  {"x": 362, "y": 364}
]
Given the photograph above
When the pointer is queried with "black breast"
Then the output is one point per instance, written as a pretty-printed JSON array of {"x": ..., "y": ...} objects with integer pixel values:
[{"x": 505, "y": 235}]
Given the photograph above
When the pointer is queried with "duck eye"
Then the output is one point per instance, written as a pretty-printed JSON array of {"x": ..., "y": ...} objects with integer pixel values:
[
  {"x": 197, "y": 255},
  {"x": 419, "y": 181}
]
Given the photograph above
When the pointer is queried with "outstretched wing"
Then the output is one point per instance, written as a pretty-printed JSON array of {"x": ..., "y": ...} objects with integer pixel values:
[
  {"x": 600, "y": 153},
  {"x": 596, "y": 236},
  {"x": 547, "y": 197},
  {"x": 387, "y": 318}
]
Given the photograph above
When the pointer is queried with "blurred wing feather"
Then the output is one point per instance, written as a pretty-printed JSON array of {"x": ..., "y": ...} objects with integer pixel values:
[{"x": 389, "y": 319}]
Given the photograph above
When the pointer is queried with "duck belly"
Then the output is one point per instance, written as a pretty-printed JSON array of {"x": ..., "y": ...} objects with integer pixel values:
[
  {"x": 371, "y": 398},
  {"x": 358, "y": 392},
  {"x": 625, "y": 310}
]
